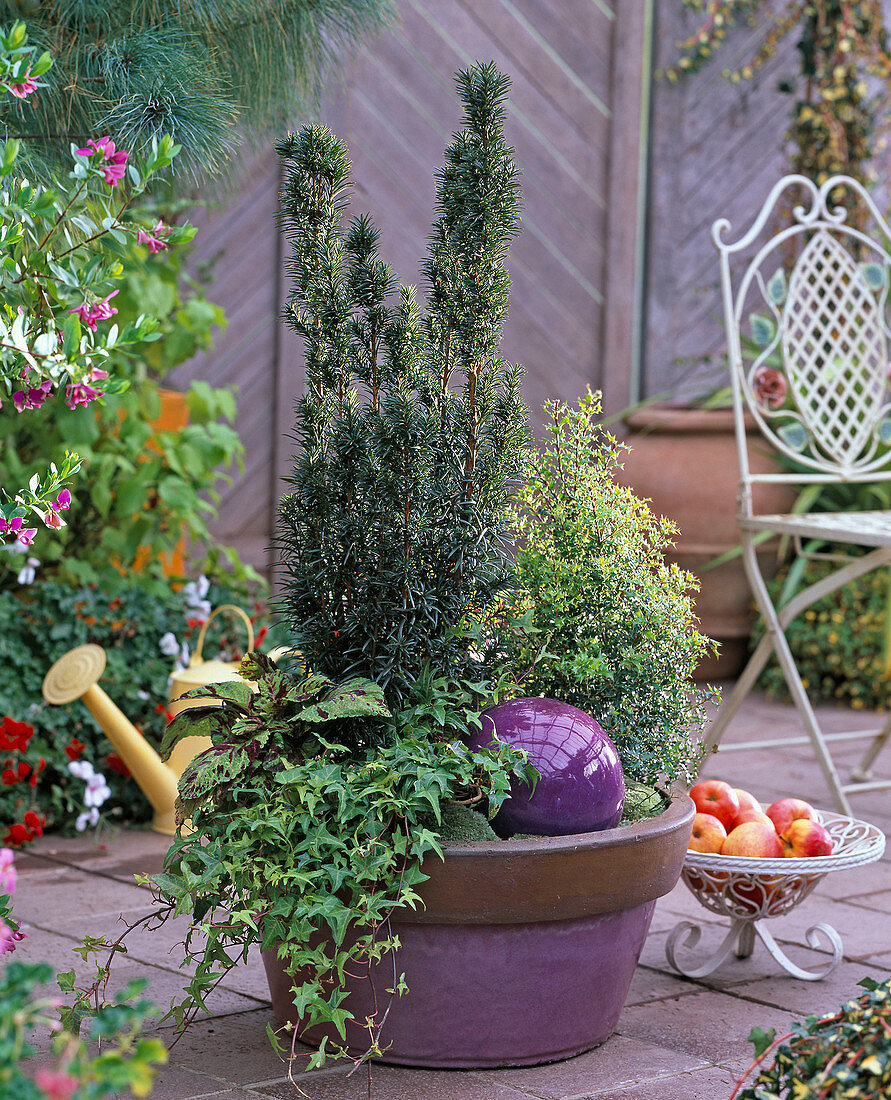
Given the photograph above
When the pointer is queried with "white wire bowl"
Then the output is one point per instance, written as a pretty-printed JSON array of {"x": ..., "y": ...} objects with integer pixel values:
[{"x": 736, "y": 886}]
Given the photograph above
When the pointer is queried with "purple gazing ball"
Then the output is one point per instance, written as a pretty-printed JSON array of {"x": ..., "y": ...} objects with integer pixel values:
[{"x": 581, "y": 787}]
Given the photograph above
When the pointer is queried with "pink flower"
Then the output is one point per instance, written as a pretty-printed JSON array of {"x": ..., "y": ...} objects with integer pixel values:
[
  {"x": 33, "y": 398},
  {"x": 24, "y": 87},
  {"x": 62, "y": 502},
  {"x": 90, "y": 313},
  {"x": 113, "y": 161},
  {"x": 79, "y": 393},
  {"x": 26, "y": 537},
  {"x": 10, "y": 526},
  {"x": 7, "y": 938},
  {"x": 54, "y": 521},
  {"x": 154, "y": 240},
  {"x": 97, "y": 374},
  {"x": 7, "y": 872},
  {"x": 770, "y": 387},
  {"x": 56, "y": 1083}
]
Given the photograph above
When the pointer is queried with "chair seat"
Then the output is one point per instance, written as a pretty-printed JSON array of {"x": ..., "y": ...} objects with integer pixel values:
[{"x": 857, "y": 528}]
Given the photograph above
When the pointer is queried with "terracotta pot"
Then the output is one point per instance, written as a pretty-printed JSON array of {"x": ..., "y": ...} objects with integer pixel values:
[
  {"x": 684, "y": 460},
  {"x": 523, "y": 951}
]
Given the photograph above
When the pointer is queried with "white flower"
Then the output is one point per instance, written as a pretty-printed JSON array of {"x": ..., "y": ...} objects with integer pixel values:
[
  {"x": 143, "y": 695},
  {"x": 168, "y": 644},
  {"x": 195, "y": 591},
  {"x": 97, "y": 790},
  {"x": 82, "y": 769},
  {"x": 88, "y": 817},
  {"x": 28, "y": 571}
]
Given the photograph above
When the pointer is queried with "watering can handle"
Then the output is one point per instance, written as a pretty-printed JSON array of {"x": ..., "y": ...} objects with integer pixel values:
[{"x": 196, "y": 656}]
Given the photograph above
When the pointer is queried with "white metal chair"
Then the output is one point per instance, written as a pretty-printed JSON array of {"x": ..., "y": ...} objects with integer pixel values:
[{"x": 807, "y": 334}]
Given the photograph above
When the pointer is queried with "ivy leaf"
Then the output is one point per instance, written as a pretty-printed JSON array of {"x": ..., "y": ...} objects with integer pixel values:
[{"x": 761, "y": 1039}]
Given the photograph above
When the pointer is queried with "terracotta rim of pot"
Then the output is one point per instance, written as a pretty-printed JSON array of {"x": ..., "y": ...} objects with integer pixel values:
[
  {"x": 555, "y": 878},
  {"x": 684, "y": 420}
]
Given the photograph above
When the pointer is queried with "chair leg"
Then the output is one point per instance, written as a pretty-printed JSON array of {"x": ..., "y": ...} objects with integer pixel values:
[
  {"x": 741, "y": 689},
  {"x": 862, "y": 773},
  {"x": 793, "y": 679}
]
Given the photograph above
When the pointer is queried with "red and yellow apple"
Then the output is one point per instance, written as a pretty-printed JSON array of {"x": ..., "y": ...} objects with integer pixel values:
[
  {"x": 708, "y": 834},
  {"x": 752, "y": 815},
  {"x": 748, "y": 803},
  {"x": 715, "y": 797},
  {"x": 754, "y": 840},
  {"x": 787, "y": 810},
  {"x": 803, "y": 838}
]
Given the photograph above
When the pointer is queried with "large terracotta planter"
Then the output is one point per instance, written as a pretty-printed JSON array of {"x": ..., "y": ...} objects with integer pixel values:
[
  {"x": 684, "y": 460},
  {"x": 523, "y": 951}
]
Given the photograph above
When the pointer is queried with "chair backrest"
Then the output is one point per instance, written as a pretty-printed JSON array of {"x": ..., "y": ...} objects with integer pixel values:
[{"x": 807, "y": 331}]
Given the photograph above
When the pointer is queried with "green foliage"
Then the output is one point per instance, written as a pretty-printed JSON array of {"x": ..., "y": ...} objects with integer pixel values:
[
  {"x": 836, "y": 1057},
  {"x": 600, "y": 620},
  {"x": 57, "y": 261},
  {"x": 126, "y": 1059},
  {"x": 839, "y": 118},
  {"x": 411, "y": 429},
  {"x": 839, "y": 642},
  {"x": 128, "y": 619},
  {"x": 143, "y": 489},
  {"x": 196, "y": 71},
  {"x": 297, "y": 832}
]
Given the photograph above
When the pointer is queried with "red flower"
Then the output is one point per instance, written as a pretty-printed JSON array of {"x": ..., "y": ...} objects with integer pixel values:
[
  {"x": 41, "y": 764},
  {"x": 74, "y": 748},
  {"x": 264, "y": 630},
  {"x": 116, "y": 764},
  {"x": 24, "y": 832},
  {"x": 14, "y": 736},
  {"x": 10, "y": 777}
]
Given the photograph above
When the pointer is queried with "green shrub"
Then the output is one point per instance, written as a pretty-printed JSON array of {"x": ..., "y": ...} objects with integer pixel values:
[
  {"x": 132, "y": 500},
  {"x": 840, "y": 1056},
  {"x": 609, "y": 626},
  {"x": 42, "y": 622},
  {"x": 839, "y": 642}
]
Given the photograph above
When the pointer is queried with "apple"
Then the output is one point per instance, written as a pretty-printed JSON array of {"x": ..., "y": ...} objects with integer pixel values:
[
  {"x": 747, "y": 803},
  {"x": 752, "y": 815},
  {"x": 708, "y": 834},
  {"x": 804, "y": 838},
  {"x": 715, "y": 797},
  {"x": 787, "y": 810},
  {"x": 753, "y": 840}
]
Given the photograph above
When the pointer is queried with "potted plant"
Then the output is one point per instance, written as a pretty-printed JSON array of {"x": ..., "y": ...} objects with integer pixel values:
[{"x": 317, "y": 816}]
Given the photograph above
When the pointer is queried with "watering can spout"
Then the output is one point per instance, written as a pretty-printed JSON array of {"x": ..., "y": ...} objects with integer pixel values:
[{"x": 75, "y": 676}]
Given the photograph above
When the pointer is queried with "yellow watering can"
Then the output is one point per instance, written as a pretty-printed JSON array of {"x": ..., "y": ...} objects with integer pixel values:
[{"x": 76, "y": 675}]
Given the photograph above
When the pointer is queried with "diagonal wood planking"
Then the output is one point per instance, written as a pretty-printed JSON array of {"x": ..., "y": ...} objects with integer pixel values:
[{"x": 396, "y": 109}]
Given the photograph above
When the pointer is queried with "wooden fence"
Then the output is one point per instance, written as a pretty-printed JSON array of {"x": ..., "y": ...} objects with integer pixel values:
[{"x": 595, "y": 302}]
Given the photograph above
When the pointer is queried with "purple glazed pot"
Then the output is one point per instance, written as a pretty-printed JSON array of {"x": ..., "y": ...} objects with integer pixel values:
[
  {"x": 581, "y": 786},
  {"x": 524, "y": 950}
]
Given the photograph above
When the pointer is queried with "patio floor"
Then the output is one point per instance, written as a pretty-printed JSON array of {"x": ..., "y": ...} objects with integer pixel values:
[{"x": 677, "y": 1039}]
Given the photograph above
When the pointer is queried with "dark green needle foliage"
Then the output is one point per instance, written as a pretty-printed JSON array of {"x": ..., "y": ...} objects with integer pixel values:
[
  {"x": 201, "y": 71},
  {"x": 411, "y": 430}
]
